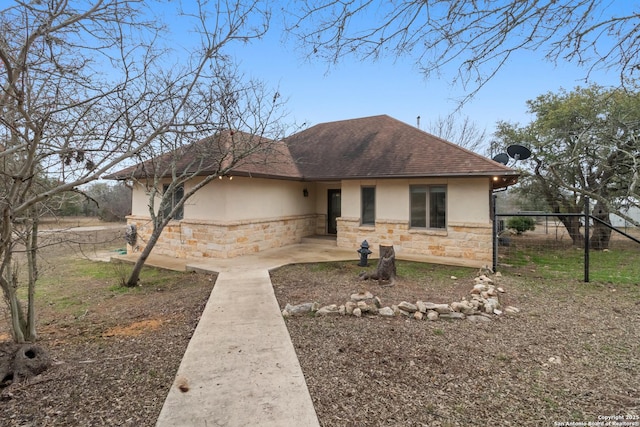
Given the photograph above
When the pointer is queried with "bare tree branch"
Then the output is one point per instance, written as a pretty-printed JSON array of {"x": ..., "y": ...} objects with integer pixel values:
[
  {"x": 85, "y": 87},
  {"x": 474, "y": 37}
]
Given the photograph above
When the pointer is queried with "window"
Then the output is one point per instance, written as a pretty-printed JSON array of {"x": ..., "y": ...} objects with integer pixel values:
[
  {"x": 178, "y": 193},
  {"x": 428, "y": 206},
  {"x": 368, "y": 205}
]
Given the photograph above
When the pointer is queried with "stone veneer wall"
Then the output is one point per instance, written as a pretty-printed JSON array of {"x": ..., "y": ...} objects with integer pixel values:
[
  {"x": 321, "y": 225},
  {"x": 214, "y": 239},
  {"x": 469, "y": 242}
]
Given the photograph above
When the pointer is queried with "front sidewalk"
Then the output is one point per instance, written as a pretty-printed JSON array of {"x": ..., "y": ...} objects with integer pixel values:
[{"x": 240, "y": 367}]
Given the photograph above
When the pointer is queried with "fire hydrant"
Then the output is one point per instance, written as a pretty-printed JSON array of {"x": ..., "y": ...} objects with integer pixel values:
[{"x": 364, "y": 254}]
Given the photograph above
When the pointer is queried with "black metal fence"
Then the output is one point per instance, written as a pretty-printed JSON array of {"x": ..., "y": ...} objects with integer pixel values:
[{"x": 502, "y": 244}]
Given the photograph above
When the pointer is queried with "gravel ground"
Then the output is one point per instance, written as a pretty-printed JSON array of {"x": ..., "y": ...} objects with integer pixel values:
[{"x": 571, "y": 354}]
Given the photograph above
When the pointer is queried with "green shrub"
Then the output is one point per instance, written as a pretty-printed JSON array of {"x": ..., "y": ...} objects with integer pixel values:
[{"x": 521, "y": 224}]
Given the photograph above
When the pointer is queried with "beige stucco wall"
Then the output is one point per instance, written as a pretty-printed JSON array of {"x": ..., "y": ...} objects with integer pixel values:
[
  {"x": 468, "y": 201},
  {"x": 244, "y": 215},
  {"x": 228, "y": 218},
  {"x": 467, "y": 235},
  {"x": 244, "y": 198},
  {"x": 238, "y": 199},
  {"x": 467, "y": 198},
  {"x": 139, "y": 201}
]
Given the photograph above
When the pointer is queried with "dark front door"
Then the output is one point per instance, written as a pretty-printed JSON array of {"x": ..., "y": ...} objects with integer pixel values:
[{"x": 333, "y": 211}]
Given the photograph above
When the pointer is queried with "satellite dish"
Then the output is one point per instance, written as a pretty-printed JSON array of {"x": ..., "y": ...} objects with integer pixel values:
[
  {"x": 501, "y": 158},
  {"x": 518, "y": 152}
]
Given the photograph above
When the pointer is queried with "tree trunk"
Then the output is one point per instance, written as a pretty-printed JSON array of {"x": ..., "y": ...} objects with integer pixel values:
[
  {"x": 17, "y": 324},
  {"x": 134, "y": 277},
  {"x": 601, "y": 233},
  {"x": 19, "y": 362},
  {"x": 32, "y": 266},
  {"x": 386, "y": 269},
  {"x": 386, "y": 264},
  {"x": 572, "y": 224}
]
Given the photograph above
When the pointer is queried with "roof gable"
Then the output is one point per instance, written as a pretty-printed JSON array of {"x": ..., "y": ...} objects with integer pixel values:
[{"x": 379, "y": 147}]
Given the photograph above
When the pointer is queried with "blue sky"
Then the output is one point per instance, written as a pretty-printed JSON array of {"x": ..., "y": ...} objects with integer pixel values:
[{"x": 318, "y": 92}]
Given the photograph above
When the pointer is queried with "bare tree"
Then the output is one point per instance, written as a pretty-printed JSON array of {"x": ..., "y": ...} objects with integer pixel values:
[
  {"x": 246, "y": 129},
  {"x": 86, "y": 86},
  {"x": 475, "y": 37},
  {"x": 465, "y": 133}
]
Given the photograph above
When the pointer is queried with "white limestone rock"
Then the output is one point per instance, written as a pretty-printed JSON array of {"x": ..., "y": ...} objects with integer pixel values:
[
  {"x": 453, "y": 315},
  {"x": 484, "y": 279},
  {"x": 442, "y": 308},
  {"x": 479, "y": 288},
  {"x": 418, "y": 315},
  {"x": 430, "y": 306},
  {"x": 299, "y": 309},
  {"x": 462, "y": 307},
  {"x": 349, "y": 306},
  {"x": 407, "y": 306},
  {"x": 491, "y": 304},
  {"x": 422, "y": 307},
  {"x": 433, "y": 315},
  {"x": 478, "y": 319},
  {"x": 386, "y": 312},
  {"x": 361, "y": 296},
  {"x": 328, "y": 310},
  {"x": 357, "y": 312}
]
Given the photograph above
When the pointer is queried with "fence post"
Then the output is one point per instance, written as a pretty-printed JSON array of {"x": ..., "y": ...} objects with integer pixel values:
[
  {"x": 495, "y": 232},
  {"x": 586, "y": 239}
]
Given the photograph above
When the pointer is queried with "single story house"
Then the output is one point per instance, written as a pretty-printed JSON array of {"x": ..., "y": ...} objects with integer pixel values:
[{"x": 372, "y": 178}]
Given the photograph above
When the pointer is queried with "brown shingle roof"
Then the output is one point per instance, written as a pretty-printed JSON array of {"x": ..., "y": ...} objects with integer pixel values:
[
  {"x": 370, "y": 147},
  {"x": 251, "y": 155},
  {"x": 379, "y": 147}
]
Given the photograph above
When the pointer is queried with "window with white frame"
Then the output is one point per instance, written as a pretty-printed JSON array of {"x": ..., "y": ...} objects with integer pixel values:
[{"x": 428, "y": 206}]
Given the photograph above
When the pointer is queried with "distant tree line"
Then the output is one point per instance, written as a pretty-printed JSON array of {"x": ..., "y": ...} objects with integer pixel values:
[{"x": 109, "y": 202}]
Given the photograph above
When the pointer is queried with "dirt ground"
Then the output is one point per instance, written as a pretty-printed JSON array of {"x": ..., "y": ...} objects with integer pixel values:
[
  {"x": 115, "y": 351},
  {"x": 114, "y": 362},
  {"x": 571, "y": 355}
]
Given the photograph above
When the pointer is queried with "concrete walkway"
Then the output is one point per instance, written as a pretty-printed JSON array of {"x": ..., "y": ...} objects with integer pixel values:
[{"x": 240, "y": 366}]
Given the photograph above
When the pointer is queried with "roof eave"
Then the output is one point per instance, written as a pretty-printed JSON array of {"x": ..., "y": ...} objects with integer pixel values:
[{"x": 491, "y": 174}]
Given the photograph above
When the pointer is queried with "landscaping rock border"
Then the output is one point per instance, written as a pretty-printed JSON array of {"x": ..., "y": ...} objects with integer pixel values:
[{"x": 481, "y": 305}]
